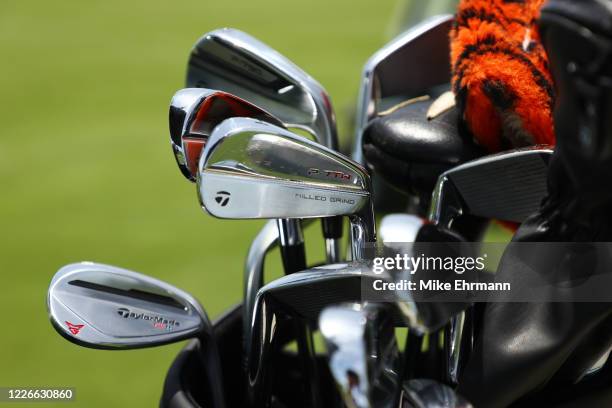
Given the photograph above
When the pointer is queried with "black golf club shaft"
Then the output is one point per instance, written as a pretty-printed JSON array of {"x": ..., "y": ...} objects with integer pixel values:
[
  {"x": 293, "y": 254},
  {"x": 332, "y": 232}
]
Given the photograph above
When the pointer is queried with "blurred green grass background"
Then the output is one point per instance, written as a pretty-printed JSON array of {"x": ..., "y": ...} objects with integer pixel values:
[{"x": 87, "y": 173}]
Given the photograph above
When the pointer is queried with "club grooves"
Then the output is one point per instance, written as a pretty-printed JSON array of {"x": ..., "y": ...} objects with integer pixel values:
[{"x": 132, "y": 293}]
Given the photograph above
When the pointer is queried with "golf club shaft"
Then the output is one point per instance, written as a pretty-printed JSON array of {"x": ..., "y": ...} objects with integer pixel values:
[
  {"x": 332, "y": 232},
  {"x": 453, "y": 333},
  {"x": 293, "y": 255}
]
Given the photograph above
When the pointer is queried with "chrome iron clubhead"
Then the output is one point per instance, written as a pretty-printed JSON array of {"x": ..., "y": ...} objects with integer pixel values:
[
  {"x": 254, "y": 170},
  {"x": 106, "y": 307},
  {"x": 194, "y": 113},
  {"x": 102, "y": 306},
  {"x": 233, "y": 61},
  {"x": 362, "y": 352},
  {"x": 508, "y": 186}
]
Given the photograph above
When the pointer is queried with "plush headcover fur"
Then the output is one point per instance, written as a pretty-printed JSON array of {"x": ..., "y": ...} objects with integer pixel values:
[{"x": 500, "y": 75}]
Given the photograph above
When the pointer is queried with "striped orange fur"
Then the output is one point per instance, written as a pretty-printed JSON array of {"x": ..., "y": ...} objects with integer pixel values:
[{"x": 500, "y": 75}]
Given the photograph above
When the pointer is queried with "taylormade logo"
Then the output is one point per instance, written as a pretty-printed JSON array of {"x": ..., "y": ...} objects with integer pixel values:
[
  {"x": 222, "y": 198},
  {"x": 156, "y": 320}
]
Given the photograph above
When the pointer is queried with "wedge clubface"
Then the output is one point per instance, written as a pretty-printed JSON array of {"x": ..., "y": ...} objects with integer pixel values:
[
  {"x": 508, "y": 186},
  {"x": 362, "y": 351},
  {"x": 233, "y": 61},
  {"x": 106, "y": 307},
  {"x": 194, "y": 113},
  {"x": 254, "y": 170}
]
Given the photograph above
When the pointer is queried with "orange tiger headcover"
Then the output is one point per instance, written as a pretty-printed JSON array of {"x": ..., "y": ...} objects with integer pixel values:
[{"x": 500, "y": 74}]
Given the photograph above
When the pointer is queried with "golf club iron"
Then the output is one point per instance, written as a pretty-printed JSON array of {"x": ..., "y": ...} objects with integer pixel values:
[
  {"x": 106, "y": 307},
  {"x": 194, "y": 113},
  {"x": 235, "y": 62},
  {"x": 255, "y": 170}
]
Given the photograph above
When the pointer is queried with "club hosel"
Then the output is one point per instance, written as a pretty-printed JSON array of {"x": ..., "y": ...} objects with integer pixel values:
[
  {"x": 443, "y": 208},
  {"x": 363, "y": 230}
]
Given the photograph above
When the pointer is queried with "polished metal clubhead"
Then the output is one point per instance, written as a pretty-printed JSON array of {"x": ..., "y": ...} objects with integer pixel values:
[
  {"x": 233, "y": 61},
  {"x": 507, "y": 186},
  {"x": 362, "y": 352},
  {"x": 425, "y": 393},
  {"x": 414, "y": 62},
  {"x": 102, "y": 306},
  {"x": 106, "y": 307},
  {"x": 194, "y": 113},
  {"x": 254, "y": 170}
]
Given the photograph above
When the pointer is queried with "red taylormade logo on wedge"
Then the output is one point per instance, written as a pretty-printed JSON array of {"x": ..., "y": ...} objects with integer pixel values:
[{"x": 74, "y": 328}]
